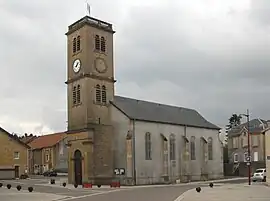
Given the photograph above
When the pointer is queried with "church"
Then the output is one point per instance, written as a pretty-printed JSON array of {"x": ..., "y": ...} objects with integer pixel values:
[{"x": 151, "y": 143}]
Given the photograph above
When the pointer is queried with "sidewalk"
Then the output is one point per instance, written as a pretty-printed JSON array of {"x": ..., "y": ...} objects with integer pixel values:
[
  {"x": 59, "y": 182},
  {"x": 233, "y": 192}
]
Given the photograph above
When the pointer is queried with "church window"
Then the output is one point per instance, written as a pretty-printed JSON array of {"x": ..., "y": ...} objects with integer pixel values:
[
  {"x": 103, "y": 44},
  {"x": 148, "y": 148},
  {"x": 97, "y": 42},
  {"x": 104, "y": 98},
  {"x": 78, "y": 93},
  {"x": 74, "y": 45},
  {"x": 192, "y": 148},
  {"x": 74, "y": 95},
  {"x": 172, "y": 147},
  {"x": 98, "y": 93},
  {"x": 78, "y": 43},
  {"x": 210, "y": 148}
]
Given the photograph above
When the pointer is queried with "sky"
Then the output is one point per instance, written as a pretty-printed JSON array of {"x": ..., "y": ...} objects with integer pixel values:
[{"x": 209, "y": 55}]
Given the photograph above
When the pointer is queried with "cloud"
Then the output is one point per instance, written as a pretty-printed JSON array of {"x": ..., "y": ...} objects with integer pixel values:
[{"x": 210, "y": 56}]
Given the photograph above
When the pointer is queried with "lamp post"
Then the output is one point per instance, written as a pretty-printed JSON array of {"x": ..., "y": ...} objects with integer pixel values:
[{"x": 249, "y": 161}]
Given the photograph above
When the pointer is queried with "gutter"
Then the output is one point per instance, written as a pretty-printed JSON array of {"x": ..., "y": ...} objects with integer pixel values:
[{"x": 133, "y": 152}]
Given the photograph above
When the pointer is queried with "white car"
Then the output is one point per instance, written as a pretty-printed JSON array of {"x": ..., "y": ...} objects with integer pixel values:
[{"x": 259, "y": 175}]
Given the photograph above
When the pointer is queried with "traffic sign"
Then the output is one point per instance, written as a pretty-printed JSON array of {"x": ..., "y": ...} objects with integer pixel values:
[
  {"x": 248, "y": 159},
  {"x": 119, "y": 171}
]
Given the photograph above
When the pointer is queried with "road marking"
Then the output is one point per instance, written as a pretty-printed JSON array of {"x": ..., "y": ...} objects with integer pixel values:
[
  {"x": 90, "y": 195},
  {"x": 182, "y": 196}
]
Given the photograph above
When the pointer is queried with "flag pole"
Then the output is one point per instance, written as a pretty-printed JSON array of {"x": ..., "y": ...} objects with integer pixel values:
[{"x": 88, "y": 9}]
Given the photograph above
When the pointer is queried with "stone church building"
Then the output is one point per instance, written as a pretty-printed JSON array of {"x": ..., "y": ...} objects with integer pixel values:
[{"x": 154, "y": 143}]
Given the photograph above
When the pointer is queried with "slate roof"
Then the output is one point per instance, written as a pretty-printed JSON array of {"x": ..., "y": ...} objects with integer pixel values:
[
  {"x": 13, "y": 137},
  {"x": 47, "y": 140},
  {"x": 160, "y": 113},
  {"x": 255, "y": 126}
]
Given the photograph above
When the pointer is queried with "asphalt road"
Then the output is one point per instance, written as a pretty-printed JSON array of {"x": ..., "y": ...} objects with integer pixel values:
[{"x": 148, "y": 193}]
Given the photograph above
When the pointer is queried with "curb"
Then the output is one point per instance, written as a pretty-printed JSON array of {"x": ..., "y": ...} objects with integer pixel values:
[{"x": 182, "y": 196}]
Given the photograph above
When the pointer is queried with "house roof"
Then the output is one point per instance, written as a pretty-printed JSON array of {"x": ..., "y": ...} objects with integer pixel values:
[
  {"x": 155, "y": 112},
  {"x": 14, "y": 137},
  {"x": 255, "y": 126},
  {"x": 47, "y": 140}
]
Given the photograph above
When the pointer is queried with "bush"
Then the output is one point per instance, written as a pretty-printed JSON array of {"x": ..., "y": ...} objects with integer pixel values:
[
  {"x": 30, "y": 189},
  {"x": 9, "y": 186},
  {"x": 1, "y": 184},
  {"x": 98, "y": 185},
  {"x": 52, "y": 181},
  {"x": 76, "y": 185},
  {"x": 19, "y": 187}
]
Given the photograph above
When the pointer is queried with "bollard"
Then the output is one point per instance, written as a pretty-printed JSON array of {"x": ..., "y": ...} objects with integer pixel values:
[
  {"x": 19, "y": 187},
  {"x": 198, "y": 189},
  {"x": 30, "y": 189},
  {"x": 76, "y": 185},
  {"x": 64, "y": 184},
  {"x": 211, "y": 185},
  {"x": 9, "y": 186},
  {"x": 1, "y": 184}
]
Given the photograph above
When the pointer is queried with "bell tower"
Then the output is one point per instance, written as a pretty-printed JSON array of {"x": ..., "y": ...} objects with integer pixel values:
[
  {"x": 90, "y": 88},
  {"x": 90, "y": 76}
]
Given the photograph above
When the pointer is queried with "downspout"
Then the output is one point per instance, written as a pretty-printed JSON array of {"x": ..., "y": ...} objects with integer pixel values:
[{"x": 133, "y": 152}]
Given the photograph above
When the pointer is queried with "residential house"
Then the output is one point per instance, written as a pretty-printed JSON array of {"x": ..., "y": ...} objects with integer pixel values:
[
  {"x": 48, "y": 152},
  {"x": 13, "y": 157},
  {"x": 238, "y": 147},
  {"x": 267, "y": 154}
]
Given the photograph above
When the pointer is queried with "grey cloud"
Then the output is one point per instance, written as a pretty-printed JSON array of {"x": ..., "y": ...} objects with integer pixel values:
[{"x": 162, "y": 53}]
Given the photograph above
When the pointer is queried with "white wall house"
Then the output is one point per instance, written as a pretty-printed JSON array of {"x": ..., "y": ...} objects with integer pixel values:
[{"x": 158, "y": 143}]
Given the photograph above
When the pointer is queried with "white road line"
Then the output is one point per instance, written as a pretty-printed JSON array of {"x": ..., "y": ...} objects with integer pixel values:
[
  {"x": 182, "y": 196},
  {"x": 90, "y": 195}
]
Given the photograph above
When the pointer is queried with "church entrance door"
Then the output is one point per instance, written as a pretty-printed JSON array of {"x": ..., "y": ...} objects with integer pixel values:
[{"x": 78, "y": 167}]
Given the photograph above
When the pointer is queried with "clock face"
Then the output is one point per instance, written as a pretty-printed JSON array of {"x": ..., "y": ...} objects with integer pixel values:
[
  {"x": 76, "y": 65},
  {"x": 100, "y": 65}
]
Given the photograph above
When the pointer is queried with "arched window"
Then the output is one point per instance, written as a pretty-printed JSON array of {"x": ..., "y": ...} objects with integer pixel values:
[
  {"x": 74, "y": 95},
  {"x": 103, "y": 44},
  {"x": 192, "y": 148},
  {"x": 74, "y": 45},
  {"x": 97, "y": 42},
  {"x": 148, "y": 148},
  {"x": 78, "y": 43},
  {"x": 172, "y": 147},
  {"x": 104, "y": 98},
  {"x": 78, "y": 93},
  {"x": 98, "y": 93},
  {"x": 210, "y": 148}
]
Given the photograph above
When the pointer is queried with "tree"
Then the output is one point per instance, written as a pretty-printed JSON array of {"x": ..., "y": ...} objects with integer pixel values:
[{"x": 234, "y": 120}]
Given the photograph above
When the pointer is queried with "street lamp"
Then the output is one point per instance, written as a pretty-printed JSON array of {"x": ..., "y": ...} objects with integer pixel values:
[{"x": 249, "y": 158}]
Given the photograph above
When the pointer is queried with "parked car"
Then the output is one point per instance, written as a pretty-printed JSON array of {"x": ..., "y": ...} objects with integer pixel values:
[
  {"x": 50, "y": 173},
  {"x": 259, "y": 175}
]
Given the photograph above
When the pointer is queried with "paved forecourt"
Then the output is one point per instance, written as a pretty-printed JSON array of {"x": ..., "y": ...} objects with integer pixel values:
[
  {"x": 24, "y": 195},
  {"x": 235, "y": 192}
]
